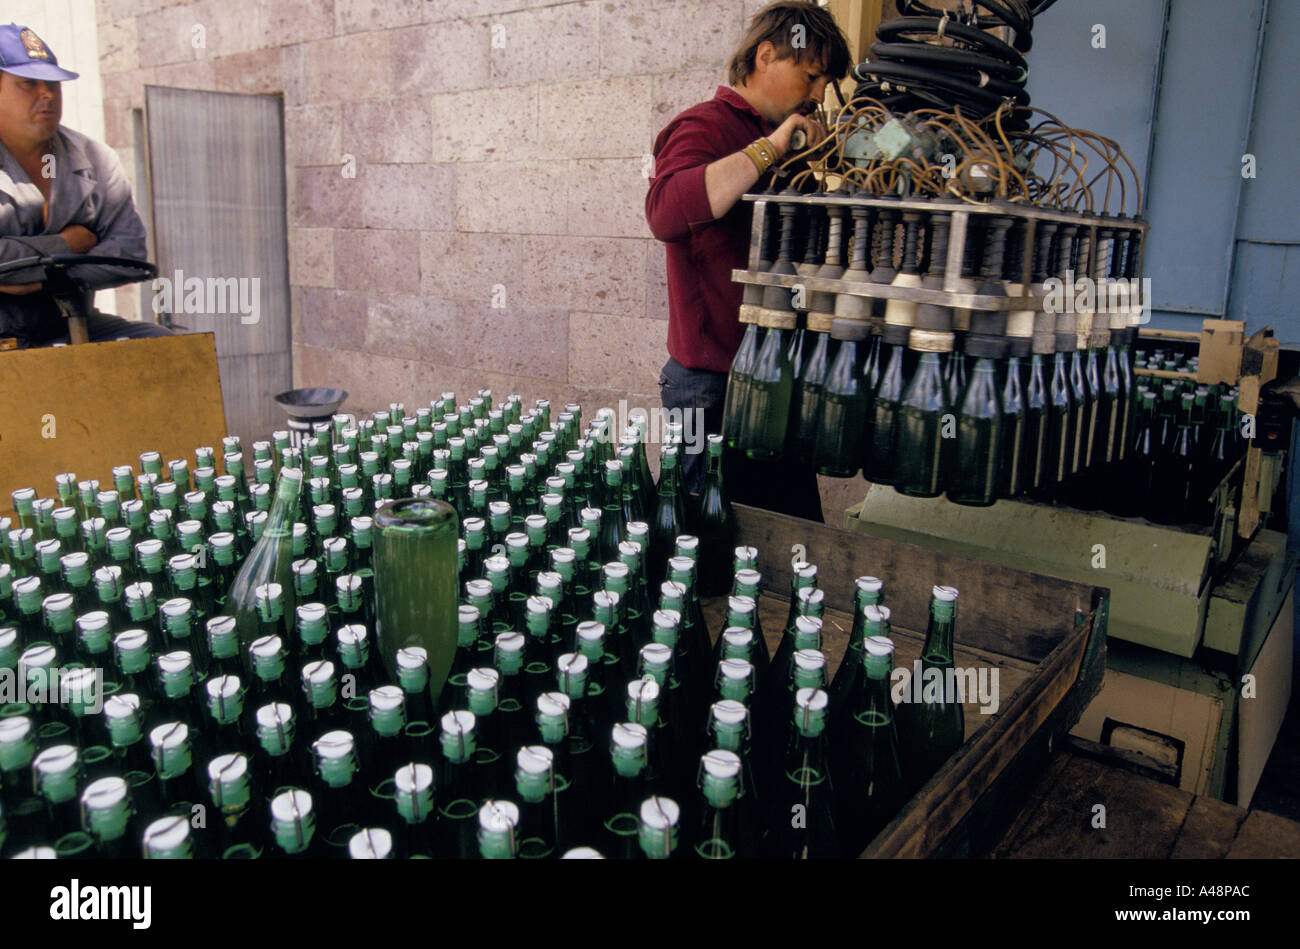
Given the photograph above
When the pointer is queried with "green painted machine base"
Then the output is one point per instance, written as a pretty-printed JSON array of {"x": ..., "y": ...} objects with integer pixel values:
[{"x": 1157, "y": 576}]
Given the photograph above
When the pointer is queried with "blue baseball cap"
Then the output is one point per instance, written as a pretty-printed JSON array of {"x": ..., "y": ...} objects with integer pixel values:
[{"x": 22, "y": 53}]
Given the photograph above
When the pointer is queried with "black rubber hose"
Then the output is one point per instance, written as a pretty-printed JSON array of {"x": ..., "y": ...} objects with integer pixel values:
[
  {"x": 904, "y": 28},
  {"x": 944, "y": 60},
  {"x": 1016, "y": 14},
  {"x": 986, "y": 99},
  {"x": 945, "y": 57}
]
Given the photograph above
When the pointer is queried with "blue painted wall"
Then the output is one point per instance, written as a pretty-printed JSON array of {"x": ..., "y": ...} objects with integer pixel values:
[{"x": 1188, "y": 88}]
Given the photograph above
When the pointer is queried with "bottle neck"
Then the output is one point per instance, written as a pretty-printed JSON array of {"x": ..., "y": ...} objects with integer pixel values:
[{"x": 939, "y": 635}]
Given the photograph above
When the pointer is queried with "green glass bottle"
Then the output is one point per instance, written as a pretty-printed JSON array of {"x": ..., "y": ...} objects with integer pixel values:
[
  {"x": 226, "y": 726},
  {"x": 734, "y": 680},
  {"x": 931, "y": 723},
  {"x": 179, "y": 787},
  {"x": 371, "y": 843},
  {"x": 497, "y": 827},
  {"x": 669, "y": 515},
  {"x": 625, "y": 790},
  {"x": 1174, "y": 470},
  {"x": 604, "y": 680},
  {"x": 612, "y": 524},
  {"x": 515, "y": 716},
  {"x": 738, "y": 385},
  {"x": 801, "y": 821},
  {"x": 1011, "y": 451},
  {"x": 358, "y": 660},
  {"x": 659, "y": 830},
  {"x": 275, "y": 757},
  {"x": 55, "y": 773},
  {"x": 413, "y": 676},
  {"x": 582, "y": 730},
  {"x": 178, "y": 696},
  {"x": 870, "y": 786},
  {"x": 415, "y": 583},
  {"x": 1061, "y": 419},
  {"x": 974, "y": 458},
  {"x": 728, "y": 728},
  {"x": 231, "y": 790},
  {"x": 806, "y": 410},
  {"x": 18, "y": 799},
  {"x": 807, "y": 602},
  {"x": 338, "y": 791},
  {"x": 293, "y": 825},
  {"x": 268, "y": 562},
  {"x": 716, "y": 525},
  {"x": 921, "y": 451},
  {"x": 223, "y": 646},
  {"x": 491, "y": 753},
  {"x": 168, "y": 838},
  {"x": 771, "y": 383},
  {"x": 867, "y": 591},
  {"x": 844, "y": 403},
  {"x": 459, "y": 786},
  {"x": 413, "y": 793},
  {"x": 125, "y": 727},
  {"x": 537, "y": 784},
  {"x": 722, "y": 831}
]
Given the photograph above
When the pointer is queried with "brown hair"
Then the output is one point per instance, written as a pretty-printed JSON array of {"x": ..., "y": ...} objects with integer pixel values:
[{"x": 776, "y": 23}]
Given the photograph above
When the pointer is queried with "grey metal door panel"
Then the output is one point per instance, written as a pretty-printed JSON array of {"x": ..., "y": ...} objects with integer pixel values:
[
  {"x": 1270, "y": 202},
  {"x": 218, "y": 196},
  {"x": 246, "y": 381},
  {"x": 1265, "y": 288},
  {"x": 1108, "y": 90},
  {"x": 1220, "y": 245},
  {"x": 1202, "y": 124}
]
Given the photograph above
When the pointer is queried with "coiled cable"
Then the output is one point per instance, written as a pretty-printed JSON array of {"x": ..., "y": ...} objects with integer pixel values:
[{"x": 944, "y": 59}]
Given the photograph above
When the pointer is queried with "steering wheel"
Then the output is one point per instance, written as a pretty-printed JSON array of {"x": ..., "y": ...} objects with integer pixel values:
[{"x": 73, "y": 297}]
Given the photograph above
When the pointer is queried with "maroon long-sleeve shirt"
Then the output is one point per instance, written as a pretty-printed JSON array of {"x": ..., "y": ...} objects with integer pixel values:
[{"x": 703, "y": 332}]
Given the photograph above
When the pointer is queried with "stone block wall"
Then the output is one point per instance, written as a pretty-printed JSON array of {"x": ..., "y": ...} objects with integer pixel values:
[{"x": 494, "y": 232}]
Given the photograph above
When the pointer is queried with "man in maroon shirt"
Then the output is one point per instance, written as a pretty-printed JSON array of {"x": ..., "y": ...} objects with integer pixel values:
[{"x": 704, "y": 161}]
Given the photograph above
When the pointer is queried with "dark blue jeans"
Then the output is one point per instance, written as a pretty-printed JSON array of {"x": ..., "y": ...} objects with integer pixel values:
[
  {"x": 35, "y": 321},
  {"x": 775, "y": 484}
]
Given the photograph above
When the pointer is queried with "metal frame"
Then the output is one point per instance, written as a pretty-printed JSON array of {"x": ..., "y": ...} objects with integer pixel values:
[{"x": 960, "y": 213}]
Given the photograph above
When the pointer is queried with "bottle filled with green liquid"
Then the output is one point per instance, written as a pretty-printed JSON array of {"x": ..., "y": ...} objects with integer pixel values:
[
  {"x": 921, "y": 451},
  {"x": 766, "y": 412},
  {"x": 973, "y": 475},
  {"x": 415, "y": 584}
]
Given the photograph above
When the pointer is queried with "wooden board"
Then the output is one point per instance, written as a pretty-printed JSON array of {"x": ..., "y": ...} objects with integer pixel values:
[
  {"x": 1220, "y": 352},
  {"x": 104, "y": 404},
  {"x": 1265, "y": 835},
  {"x": 1209, "y": 830},
  {"x": 1145, "y": 819},
  {"x": 858, "y": 20},
  {"x": 1063, "y": 825}
]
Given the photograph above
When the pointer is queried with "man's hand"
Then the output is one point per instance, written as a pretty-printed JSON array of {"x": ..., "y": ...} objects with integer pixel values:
[
  {"x": 813, "y": 131},
  {"x": 19, "y": 289},
  {"x": 726, "y": 179},
  {"x": 80, "y": 240}
]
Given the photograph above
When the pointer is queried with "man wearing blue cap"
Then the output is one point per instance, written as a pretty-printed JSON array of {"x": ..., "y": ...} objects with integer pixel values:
[{"x": 60, "y": 193}]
